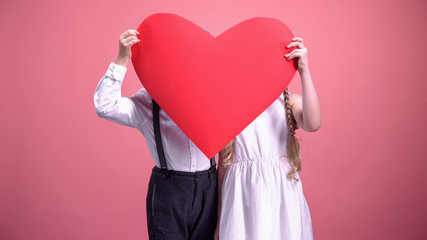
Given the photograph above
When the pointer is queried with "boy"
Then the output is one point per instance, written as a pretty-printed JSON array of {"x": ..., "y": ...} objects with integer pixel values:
[{"x": 182, "y": 193}]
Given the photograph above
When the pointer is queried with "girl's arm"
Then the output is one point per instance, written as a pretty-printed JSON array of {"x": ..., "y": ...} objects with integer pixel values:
[
  {"x": 305, "y": 109},
  {"x": 221, "y": 173},
  {"x": 109, "y": 103}
]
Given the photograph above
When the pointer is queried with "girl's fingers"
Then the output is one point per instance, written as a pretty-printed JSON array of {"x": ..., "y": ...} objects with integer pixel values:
[
  {"x": 295, "y": 55},
  {"x": 293, "y": 52},
  {"x": 298, "y": 39},
  {"x": 296, "y": 44},
  {"x": 290, "y": 56}
]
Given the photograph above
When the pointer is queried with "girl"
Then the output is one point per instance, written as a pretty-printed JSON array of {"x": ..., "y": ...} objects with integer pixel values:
[
  {"x": 182, "y": 193},
  {"x": 260, "y": 193}
]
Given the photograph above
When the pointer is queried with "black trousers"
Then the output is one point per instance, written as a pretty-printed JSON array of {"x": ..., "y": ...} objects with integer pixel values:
[{"x": 182, "y": 205}]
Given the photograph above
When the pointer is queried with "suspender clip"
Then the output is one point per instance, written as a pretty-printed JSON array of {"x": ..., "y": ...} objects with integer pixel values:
[{"x": 165, "y": 172}]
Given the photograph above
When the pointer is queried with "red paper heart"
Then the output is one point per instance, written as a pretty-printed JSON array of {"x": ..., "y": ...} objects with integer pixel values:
[{"x": 212, "y": 88}]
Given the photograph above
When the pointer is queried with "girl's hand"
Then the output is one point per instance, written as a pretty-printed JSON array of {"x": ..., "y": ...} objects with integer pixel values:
[
  {"x": 126, "y": 41},
  {"x": 300, "y": 53}
]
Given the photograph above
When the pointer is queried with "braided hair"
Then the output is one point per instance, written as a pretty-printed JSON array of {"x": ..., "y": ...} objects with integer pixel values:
[{"x": 292, "y": 146}]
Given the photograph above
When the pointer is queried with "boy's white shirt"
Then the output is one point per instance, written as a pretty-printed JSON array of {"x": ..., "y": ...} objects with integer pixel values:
[{"x": 136, "y": 111}]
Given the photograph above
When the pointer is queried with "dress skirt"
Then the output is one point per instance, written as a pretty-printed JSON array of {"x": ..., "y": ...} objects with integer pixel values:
[{"x": 259, "y": 202}]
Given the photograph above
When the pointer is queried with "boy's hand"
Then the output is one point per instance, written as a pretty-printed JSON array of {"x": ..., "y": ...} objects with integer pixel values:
[
  {"x": 300, "y": 53},
  {"x": 126, "y": 41}
]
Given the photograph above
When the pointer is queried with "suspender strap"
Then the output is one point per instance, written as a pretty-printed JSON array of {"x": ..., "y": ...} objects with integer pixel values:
[
  {"x": 158, "y": 136},
  {"x": 213, "y": 164}
]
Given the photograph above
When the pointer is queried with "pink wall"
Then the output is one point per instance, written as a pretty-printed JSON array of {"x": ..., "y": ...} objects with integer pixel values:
[{"x": 66, "y": 174}]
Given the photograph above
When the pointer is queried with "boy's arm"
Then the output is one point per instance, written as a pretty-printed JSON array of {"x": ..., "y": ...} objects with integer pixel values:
[{"x": 109, "y": 103}]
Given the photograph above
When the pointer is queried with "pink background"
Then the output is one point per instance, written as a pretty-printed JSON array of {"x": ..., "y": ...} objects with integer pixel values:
[{"x": 66, "y": 174}]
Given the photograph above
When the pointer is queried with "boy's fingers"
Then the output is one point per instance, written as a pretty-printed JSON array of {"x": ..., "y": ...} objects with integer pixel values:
[
  {"x": 125, "y": 34},
  {"x": 131, "y": 43},
  {"x": 129, "y": 32},
  {"x": 133, "y": 32},
  {"x": 130, "y": 38}
]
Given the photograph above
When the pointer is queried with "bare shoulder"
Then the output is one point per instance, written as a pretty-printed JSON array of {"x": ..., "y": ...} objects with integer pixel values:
[{"x": 295, "y": 99}]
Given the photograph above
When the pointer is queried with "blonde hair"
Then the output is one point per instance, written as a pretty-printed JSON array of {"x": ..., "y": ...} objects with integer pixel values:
[{"x": 292, "y": 146}]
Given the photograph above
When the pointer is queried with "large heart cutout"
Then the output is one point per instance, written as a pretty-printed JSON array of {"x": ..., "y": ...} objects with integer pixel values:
[{"x": 213, "y": 87}]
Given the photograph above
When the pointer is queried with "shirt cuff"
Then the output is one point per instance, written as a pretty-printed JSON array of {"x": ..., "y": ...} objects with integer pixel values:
[{"x": 116, "y": 72}]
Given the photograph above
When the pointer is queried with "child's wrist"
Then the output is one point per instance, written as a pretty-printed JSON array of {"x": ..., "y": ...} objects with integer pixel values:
[
  {"x": 303, "y": 70},
  {"x": 122, "y": 61}
]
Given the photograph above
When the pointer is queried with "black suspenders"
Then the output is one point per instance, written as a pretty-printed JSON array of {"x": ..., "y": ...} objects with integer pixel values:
[{"x": 158, "y": 138}]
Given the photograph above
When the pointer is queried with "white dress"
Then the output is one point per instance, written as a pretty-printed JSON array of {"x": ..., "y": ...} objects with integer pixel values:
[{"x": 258, "y": 200}]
